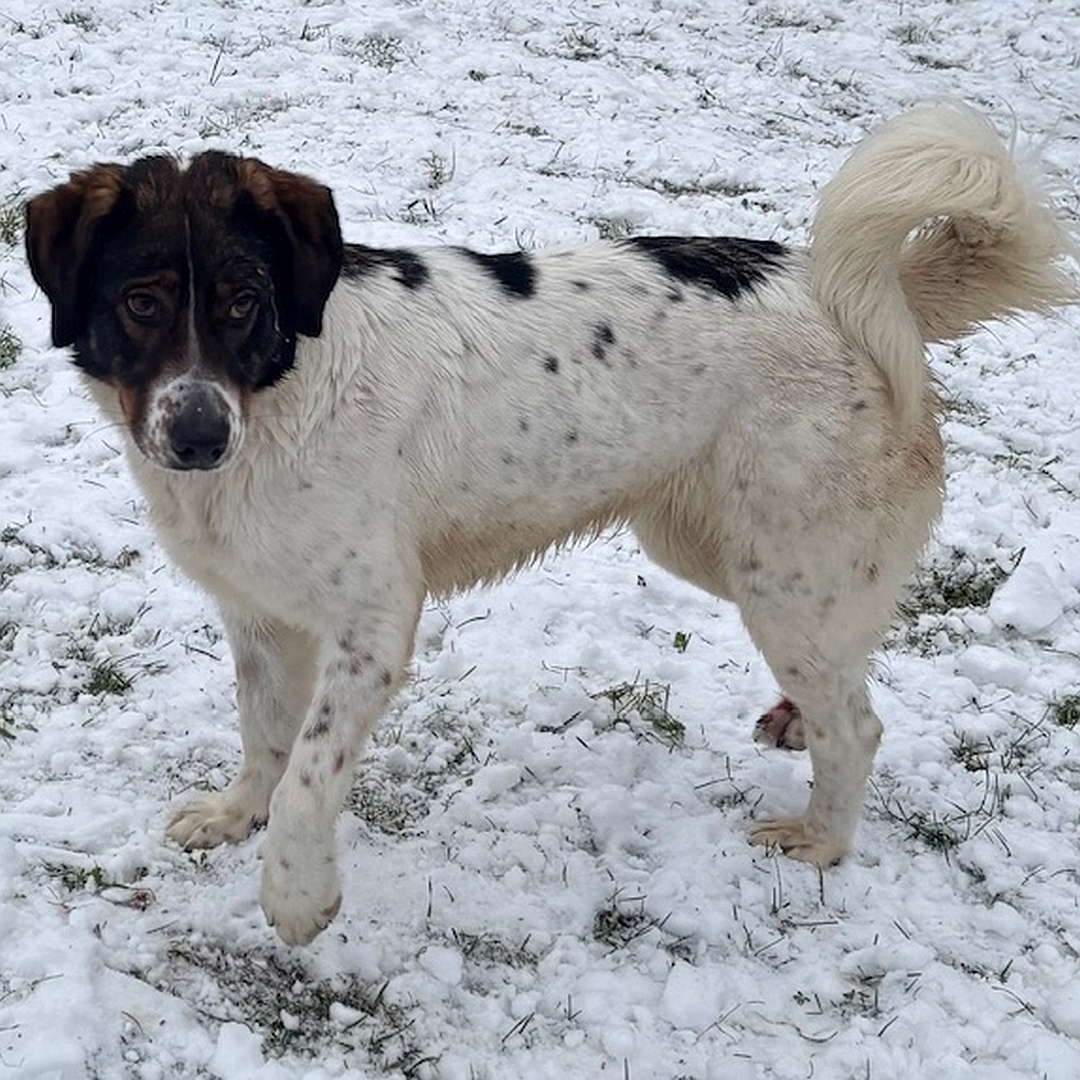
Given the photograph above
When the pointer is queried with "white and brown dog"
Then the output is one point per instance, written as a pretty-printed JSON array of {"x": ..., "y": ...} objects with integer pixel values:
[{"x": 327, "y": 432}]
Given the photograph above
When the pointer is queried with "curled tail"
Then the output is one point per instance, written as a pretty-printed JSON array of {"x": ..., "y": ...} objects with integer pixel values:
[{"x": 929, "y": 229}]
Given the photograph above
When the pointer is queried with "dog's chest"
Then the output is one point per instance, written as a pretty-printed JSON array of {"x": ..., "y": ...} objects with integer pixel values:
[{"x": 245, "y": 544}]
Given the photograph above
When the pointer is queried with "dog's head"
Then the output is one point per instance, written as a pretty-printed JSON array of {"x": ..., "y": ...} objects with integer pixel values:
[{"x": 184, "y": 289}]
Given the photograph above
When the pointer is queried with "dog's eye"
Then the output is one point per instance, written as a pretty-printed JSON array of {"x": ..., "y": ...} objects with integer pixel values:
[
  {"x": 142, "y": 306},
  {"x": 242, "y": 306}
]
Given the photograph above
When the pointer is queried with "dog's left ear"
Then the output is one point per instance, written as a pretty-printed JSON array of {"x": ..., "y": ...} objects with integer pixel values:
[
  {"x": 306, "y": 213},
  {"x": 60, "y": 225}
]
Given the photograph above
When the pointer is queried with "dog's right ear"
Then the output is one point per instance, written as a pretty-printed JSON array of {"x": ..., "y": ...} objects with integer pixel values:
[
  {"x": 308, "y": 219},
  {"x": 60, "y": 226}
]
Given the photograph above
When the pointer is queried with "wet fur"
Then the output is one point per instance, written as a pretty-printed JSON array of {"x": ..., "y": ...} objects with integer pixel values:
[{"x": 384, "y": 424}]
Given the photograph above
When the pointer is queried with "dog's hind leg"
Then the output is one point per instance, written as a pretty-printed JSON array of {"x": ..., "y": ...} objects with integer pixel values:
[
  {"x": 816, "y": 608},
  {"x": 815, "y": 598},
  {"x": 842, "y": 734},
  {"x": 275, "y": 677}
]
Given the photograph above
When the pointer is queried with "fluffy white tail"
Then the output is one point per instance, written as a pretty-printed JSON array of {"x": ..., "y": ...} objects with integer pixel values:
[{"x": 929, "y": 229}]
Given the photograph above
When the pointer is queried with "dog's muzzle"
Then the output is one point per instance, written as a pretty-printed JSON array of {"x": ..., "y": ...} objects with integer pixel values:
[{"x": 200, "y": 428}]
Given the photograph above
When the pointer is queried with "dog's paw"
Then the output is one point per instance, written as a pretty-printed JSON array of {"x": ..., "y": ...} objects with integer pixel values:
[
  {"x": 300, "y": 895},
  {"x": 782, "y": 726},
  {"x": 225, "y": 817},
  {"x": 796, "y": 839}
]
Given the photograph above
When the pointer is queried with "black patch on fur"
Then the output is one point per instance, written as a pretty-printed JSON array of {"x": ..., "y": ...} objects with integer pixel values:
[
  {"x": 551, "y": 363},
  {"x": 514, "y": 271},
  {"x": 727, "y": 265},
  {"x": 319, "y": 730},
  {"x": 603, "y": 336},
  {"x": 408, "y": 268}
]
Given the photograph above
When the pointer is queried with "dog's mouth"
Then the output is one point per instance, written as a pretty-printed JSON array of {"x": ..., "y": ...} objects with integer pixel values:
[{"x": 189, "y": 425}]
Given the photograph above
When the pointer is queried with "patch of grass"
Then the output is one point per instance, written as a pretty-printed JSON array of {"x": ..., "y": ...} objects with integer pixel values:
[
  {"x": 376, "y": 50},
  {"x": 388, "y": 806},
  {"x": 293, "y": 1011},
  {"x": 938, "y": 63},
  {"x": 227, "y": 123},
  {"x": 912, "y": 34},
  {"x": 1065, "y": 711},
  {"x": 12, "y": 718},
  {"x": 77, "y": 878},
  {"x": 81, "y": 18},
  {"x": 580, "y": 45},
  {"x": 944, "y": 833},
  {"x": 1017, "y": 752},
  {"x": 938, "y": 834},
  {"x": 643, "y": 707},
  {"x": 621, "y": 921},
  {"x": 781, "y": 18},
  {"x": 490, "y": 949},
  {"x": 438, "y": 171},
  {"x": 308, "y": 32},
  {"x": 422, "y": 211},
  {"x": 49, "y": 558},
  {"x": 615, "y": 228},
  {"x": 11, "y": 220},
  {"x": 105, "y": 677},
  {"x": 955, "y": 581},
  {"x": 733, "y": 189},
  {"x": 973, "y": 755},
  {"x": 10, "y": 347}
]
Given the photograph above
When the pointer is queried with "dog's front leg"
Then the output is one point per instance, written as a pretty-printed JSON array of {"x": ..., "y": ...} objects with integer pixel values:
[
  {"x": 275, "y": 676},
  {"x": 360, "y": 667}
]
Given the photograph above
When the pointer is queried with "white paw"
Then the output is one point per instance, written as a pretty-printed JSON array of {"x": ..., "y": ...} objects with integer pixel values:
[
  {"x": 299, "y": 893},
  {"x": 225, "y": 817},
  {"x": 796, "y": 839}
]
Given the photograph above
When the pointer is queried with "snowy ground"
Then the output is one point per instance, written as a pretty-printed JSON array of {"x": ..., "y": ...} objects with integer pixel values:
[{"x": 545, "y": 864}]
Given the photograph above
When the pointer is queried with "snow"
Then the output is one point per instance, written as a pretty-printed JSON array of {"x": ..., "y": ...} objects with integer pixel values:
[{"x": 537, "y": 883}]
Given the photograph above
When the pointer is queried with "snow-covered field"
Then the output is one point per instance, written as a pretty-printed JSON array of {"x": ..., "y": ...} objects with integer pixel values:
[{"x": 545, "y": 862}]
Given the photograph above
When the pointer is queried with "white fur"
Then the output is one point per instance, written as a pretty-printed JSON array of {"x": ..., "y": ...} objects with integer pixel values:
[{"x": 780, "y": 450}]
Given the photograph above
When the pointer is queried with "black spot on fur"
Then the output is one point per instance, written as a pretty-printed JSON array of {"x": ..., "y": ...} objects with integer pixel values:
[
  {"x": 408, "y": 268},
  {"x": 724, "y": 264},
  {"x": 514, "y": 271},
  {"x": 551, "y": 363},
  {"x": 523, "y": 424},
  {"x": 571, "y": 438},
  {"x": 603, "y": 336},
  {"x": 321, "y": 728},
  {"x": 582, "y": 286}
]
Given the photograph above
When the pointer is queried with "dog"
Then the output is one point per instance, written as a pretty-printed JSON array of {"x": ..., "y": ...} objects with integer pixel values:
[{"x": 326, "y": 433}]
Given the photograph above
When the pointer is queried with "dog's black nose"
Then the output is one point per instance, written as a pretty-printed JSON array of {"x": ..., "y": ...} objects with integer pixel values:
[{"x": 199, "y": 436}]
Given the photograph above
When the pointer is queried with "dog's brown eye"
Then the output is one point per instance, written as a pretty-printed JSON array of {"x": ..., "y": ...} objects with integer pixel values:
[
  {"x": 242, "y": 306},
  {"x": 142, "y": 306}
]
